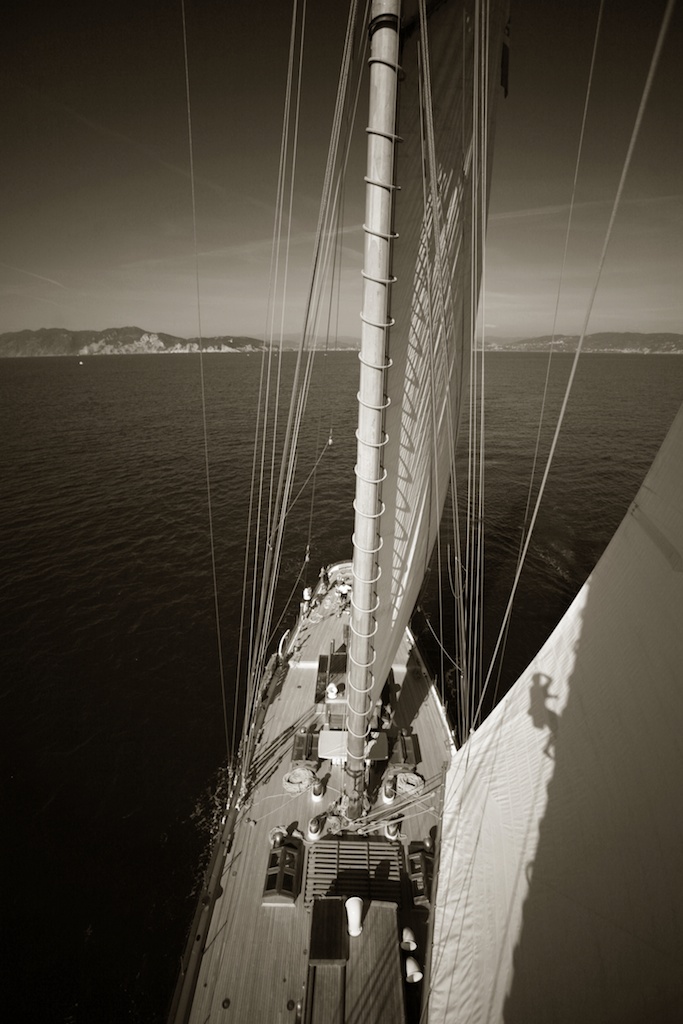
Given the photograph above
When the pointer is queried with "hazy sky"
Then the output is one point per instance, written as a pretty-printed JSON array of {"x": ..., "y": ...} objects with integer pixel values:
[{"x": 96, "y": 206}]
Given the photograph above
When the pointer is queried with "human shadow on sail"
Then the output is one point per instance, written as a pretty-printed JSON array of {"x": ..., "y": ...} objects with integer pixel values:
[{"x": 542, "y": 715}]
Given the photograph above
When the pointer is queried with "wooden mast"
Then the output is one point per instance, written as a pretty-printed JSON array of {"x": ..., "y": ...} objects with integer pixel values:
[{"x": 372, "y": 400}]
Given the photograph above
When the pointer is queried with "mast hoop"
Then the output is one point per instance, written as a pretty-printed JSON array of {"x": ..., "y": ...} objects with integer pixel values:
[
  {"x": 381, "y": 327},
  {"x": 375, "y": 366},
  {"x": 382, "y": 184},
  {"x": 366, "y": 551},
  {"x": 384, "y": 19},
  {"x": 367, "y": 479},
  {"x": 376, "y": 131},
  {"x": 366, "y": 636},
  {"x": 365, "y": 693},
  {"x": 387, "y": 236},
  {"x": 362, "y": 664},
  {"x": 376, "y": 409},
  {"x": 357, "y": 735},
  {"x": 372, "y": 444},
  {"x": 370, "y": 515},
  {"x": 378, "y": 280},
  {"x": 387, "y": 64},
  {"x": 363, "y": 611},
  {"x": 362, "y": 579}
]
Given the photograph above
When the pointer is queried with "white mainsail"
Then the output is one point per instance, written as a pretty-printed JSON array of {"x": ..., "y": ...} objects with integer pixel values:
[
  {"x": 437, "y": 284},
  {"x": 560, "y": 893}
]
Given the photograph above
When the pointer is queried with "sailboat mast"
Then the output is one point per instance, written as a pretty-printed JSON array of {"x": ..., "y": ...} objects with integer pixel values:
[{"x": 372, "y": 400}]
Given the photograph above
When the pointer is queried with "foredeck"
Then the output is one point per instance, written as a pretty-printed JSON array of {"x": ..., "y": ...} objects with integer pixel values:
[{"x": 261, "y": 961}]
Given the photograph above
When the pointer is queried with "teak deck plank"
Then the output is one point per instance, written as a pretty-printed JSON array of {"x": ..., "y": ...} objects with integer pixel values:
[
  {"x": 327, "y": 997},
  {"x": 374, "y": 985}
]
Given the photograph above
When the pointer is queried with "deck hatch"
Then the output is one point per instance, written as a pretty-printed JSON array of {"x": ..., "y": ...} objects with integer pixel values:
[
  {"x": 329, "y": 936},
  {"x": 283, "y": 873}
]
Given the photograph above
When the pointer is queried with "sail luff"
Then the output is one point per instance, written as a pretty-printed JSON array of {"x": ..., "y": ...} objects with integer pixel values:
[{"x": 384, "y": 29}]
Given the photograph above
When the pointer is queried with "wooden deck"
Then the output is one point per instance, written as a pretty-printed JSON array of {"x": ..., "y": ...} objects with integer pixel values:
[{"x": 257, "y": 964}]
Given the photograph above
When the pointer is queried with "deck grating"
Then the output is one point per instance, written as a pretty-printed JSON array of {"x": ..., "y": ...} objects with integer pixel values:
[{"x": 351, "y": 866}]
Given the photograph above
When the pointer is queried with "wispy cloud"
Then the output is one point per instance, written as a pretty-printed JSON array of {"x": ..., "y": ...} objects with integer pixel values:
[
  {"x": 563, "y": 208},
  {"x": 29, "y": 273},
  {"x": 148, "y": 151},
  {"x": 244, "y": 251}
]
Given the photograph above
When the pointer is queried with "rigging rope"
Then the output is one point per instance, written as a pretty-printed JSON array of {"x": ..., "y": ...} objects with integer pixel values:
[
  {"x": 608, "y": 234},
  {"x": 263, "y": 398},
  {"x": 432, "y": 202},
  {"x": 273, "y": 549},
  {"x": 333, "y": 307},
  {"x": 461, "y": 568},
  {"x": 480, "y": 178},
  {"x": 297, "y": 582},
  {"x": 285, "y": 275},
  {"x": 473, "y": 511},
  {"x": 212, "y": 546},
  {"x": 506, "y": 627}
]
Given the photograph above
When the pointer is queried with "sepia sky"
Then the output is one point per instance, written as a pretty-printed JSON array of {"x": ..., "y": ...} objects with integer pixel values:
[{"x": 96, "y": 209}]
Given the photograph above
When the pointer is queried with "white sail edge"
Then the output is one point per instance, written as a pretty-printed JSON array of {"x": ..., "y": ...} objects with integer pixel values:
[{"x": 560, "y": 896}]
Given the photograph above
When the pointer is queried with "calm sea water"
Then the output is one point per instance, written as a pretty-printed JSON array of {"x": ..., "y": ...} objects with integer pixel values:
[{"x": 113, "y": 728}]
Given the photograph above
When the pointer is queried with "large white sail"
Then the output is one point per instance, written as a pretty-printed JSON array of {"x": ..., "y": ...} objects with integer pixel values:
[
  {"x": 437, "y": 284},
  {"x": 560, "y": 893}
]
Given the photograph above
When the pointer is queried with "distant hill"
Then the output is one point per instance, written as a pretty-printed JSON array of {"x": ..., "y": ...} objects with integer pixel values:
[
  {"x": 646, "y": 344},
  {"x": 55, "y": 341}
]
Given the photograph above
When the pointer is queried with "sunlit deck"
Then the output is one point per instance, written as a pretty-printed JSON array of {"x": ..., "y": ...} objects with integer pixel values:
[{"x": 262, "y": 960}]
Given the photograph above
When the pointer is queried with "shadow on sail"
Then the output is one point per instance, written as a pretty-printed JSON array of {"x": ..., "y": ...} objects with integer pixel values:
[
  {"x": 541, "y": 712},
  {"x": 562, "y": 853}
]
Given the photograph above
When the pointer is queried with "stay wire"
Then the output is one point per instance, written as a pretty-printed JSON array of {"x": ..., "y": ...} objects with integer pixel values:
[
  {"x": 473, "y": 524},
  {"x": 273, "y": 553},
  {"x": 432, "y": 199},
  {"x": 608, "y": 234},
  {"x": 269, "y": 431},
  {"x": 285, "y": 274},
  {"x": 299, "y": 397},
  {"x": 479, "y": 216},
  {"x": 560, "y": 284},
  {"x": 472, "y": 529},
  {"x": 336, "y": 234},
  {"x": 484, "y": 94},
  {"x": 207, "y": 472},
  {"x": 323, "y": 390},
  {"x": 256, "y": 495},
  {"x": 461, "y": 565}
]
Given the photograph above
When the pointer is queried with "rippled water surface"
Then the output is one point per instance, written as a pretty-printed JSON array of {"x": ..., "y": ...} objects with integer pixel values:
[{"x": 112, "y": 710}]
